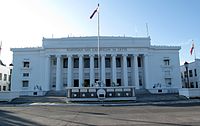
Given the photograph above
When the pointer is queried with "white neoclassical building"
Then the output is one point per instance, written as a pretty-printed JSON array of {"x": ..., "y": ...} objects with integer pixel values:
[{"x": 78, "y": 62}]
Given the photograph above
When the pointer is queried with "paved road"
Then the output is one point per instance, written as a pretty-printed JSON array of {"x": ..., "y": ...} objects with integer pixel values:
[{"x": 155, "y": 115}]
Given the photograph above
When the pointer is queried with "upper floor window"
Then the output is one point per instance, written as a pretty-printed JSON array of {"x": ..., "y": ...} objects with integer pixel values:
[
  {"x": 96, "y": 63},
  {"x": 128, "y": 61},
  {"x": 86, "y": 63},
  {"x": 5, "y": 77},
  {"x": 25, "y": 74},
  {"x": 0, "y": 76},
  {"x": 195, "y": 72},
  {"x": 166, "y": 62},
  {"x": 65, "y": 61},
  {"x": 190, "y": 73},
  {"x": 108, "y": 62},
  {"x": 76, "y": 63},
  {"x": 26, "y": 64},
  {"x": 25, "y": 83},
  {"x": 139, "y": 62},
  {"x": 118, "y": 62}
]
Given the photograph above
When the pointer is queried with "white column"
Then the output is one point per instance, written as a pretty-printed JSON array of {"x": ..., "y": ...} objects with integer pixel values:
[
  {"x": 103, "y": 68},
  {"x": 114, "y": 78},
  {"x": 69, "y": 71},
  {"x": 47, "y": 73},
  {"x": 58, "y": 73},
  {"x": 136, "y": 79},
  {"x": 146, "y": 71},
  {"x": 125, "y": 74},
  {"x": 91, "y": 70},
  {"x": 80, "y": 70}
]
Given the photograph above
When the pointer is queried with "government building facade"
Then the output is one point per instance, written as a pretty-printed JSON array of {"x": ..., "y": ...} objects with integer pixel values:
[{"x": 78, "y": 62}]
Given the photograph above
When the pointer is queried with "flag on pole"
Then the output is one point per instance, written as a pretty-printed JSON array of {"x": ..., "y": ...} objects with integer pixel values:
[
  {"x": 192, "y": 48},
  {"x": 94, "y": 12}
]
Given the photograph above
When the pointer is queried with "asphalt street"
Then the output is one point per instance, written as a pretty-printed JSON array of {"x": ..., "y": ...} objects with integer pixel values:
[{"x": 90, "y": 115}]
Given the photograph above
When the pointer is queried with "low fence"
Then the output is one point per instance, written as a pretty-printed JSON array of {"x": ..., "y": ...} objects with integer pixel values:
[
  {"x": 190, "y": 92},
  {"x": 100, "y": 93},
  {"x": 8, "y": 95}
]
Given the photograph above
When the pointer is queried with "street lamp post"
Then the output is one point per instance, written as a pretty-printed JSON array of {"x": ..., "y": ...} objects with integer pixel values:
[{"x": 186, "y": 64}]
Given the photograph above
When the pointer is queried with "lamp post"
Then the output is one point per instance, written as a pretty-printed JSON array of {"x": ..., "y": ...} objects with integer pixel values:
[{"x": 186, "y": 64}]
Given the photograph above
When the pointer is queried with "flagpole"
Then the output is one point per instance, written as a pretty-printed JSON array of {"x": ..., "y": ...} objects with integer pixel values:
[{"x": 98, "y": 39}]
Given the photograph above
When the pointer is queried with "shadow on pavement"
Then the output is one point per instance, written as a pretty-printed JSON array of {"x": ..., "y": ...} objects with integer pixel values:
[{"x": 8, "y": 119}]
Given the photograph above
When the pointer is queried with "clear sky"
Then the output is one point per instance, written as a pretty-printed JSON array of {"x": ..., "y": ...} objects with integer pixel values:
[{"x": 23, "y": 23}]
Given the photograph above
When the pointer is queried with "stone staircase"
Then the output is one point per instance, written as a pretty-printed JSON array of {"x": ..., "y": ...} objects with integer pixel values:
[{"x": 62, "y": 93}]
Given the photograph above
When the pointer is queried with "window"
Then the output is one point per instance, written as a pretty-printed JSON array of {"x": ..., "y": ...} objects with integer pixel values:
[
  {"x": 181, "y": 75},
  {"x": 128, "y": 61},
  {"x": 25, "y": 74},
  {"x": 76, "y": 83},
  {"x": 118, "y": 82},
  {"x": 0, "y": 87},
  {"x": 185, "y": 74},
  {"x": 86, "y": 63},
  {"x": 26, "y": 64},
  {"x": 86, "y": 83},
  {"x": 96, "y": 63},
  {"x": 25, "y": 83},
  {"x": 190, "y": 73},
  {"x": 4, "y": 88},
  {"x": 139, "y": 62},
  {"x": 118, "y": 62},
  {"x": 197, "y": 85},
  {"x": 65, "y": 63},
  {"x": 166, "y": 62},
  {"x": 5, "y": 77},
  {"x": 54, "y": 62},
  {"x": 76, "y": 63},
  {"x": 108, "y": 62},
  {"x": 195, "y": 72},
  {"x": 0, "y": 76},
  {"x": 108, "y": 82}
]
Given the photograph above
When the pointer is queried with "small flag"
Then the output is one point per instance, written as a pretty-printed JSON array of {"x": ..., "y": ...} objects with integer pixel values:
[
  {"x": 192, "y": 48},
  {"x": 94, "y": 12}
]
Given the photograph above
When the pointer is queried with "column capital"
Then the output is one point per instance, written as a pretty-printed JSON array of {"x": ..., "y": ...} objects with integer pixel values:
[
  {"x": 69, "y": 55},
  {"x": 135, "y": 54},
  {"x": 91, "y": 55},
  {"x": 125, "y": 55},
  {"x": 103, "y": 55},
  {"x": 58, "y": 55},
  {"x": 80, "y": 55},
  {"x": 113, "y": 55}
]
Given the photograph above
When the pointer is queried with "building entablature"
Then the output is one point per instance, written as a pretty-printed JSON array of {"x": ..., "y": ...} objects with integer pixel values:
[{"x": 89, "y": 42}]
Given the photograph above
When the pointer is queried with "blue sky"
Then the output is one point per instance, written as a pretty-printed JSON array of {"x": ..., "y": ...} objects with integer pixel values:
[{"x": 171, "y": 22}]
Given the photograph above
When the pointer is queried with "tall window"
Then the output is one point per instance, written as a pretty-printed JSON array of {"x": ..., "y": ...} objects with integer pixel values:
[
  {"x": 65, "y": 63},
  {"x": 76, "y": 63},
  {"x": 5, "y": 77},
  {"x": 128, "y": 61},
  {"x": 86, "y": 63},
  {"x": 0, "y": 76},
  {"x": 118, "y": 62},
  {"x": 139, "y": 62},
  {"x": 108, "y": 62},
  {"x": 26, "y": 64},
  {"x": 96, "y": 63},
  {"x": 190, "y": 73},
  {"x": 195, "y": 72},
  {"x": 25, "y": 83}
]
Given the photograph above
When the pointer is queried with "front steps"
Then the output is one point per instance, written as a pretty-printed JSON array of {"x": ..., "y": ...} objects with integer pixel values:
[{"x": 62, "y": 93}]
